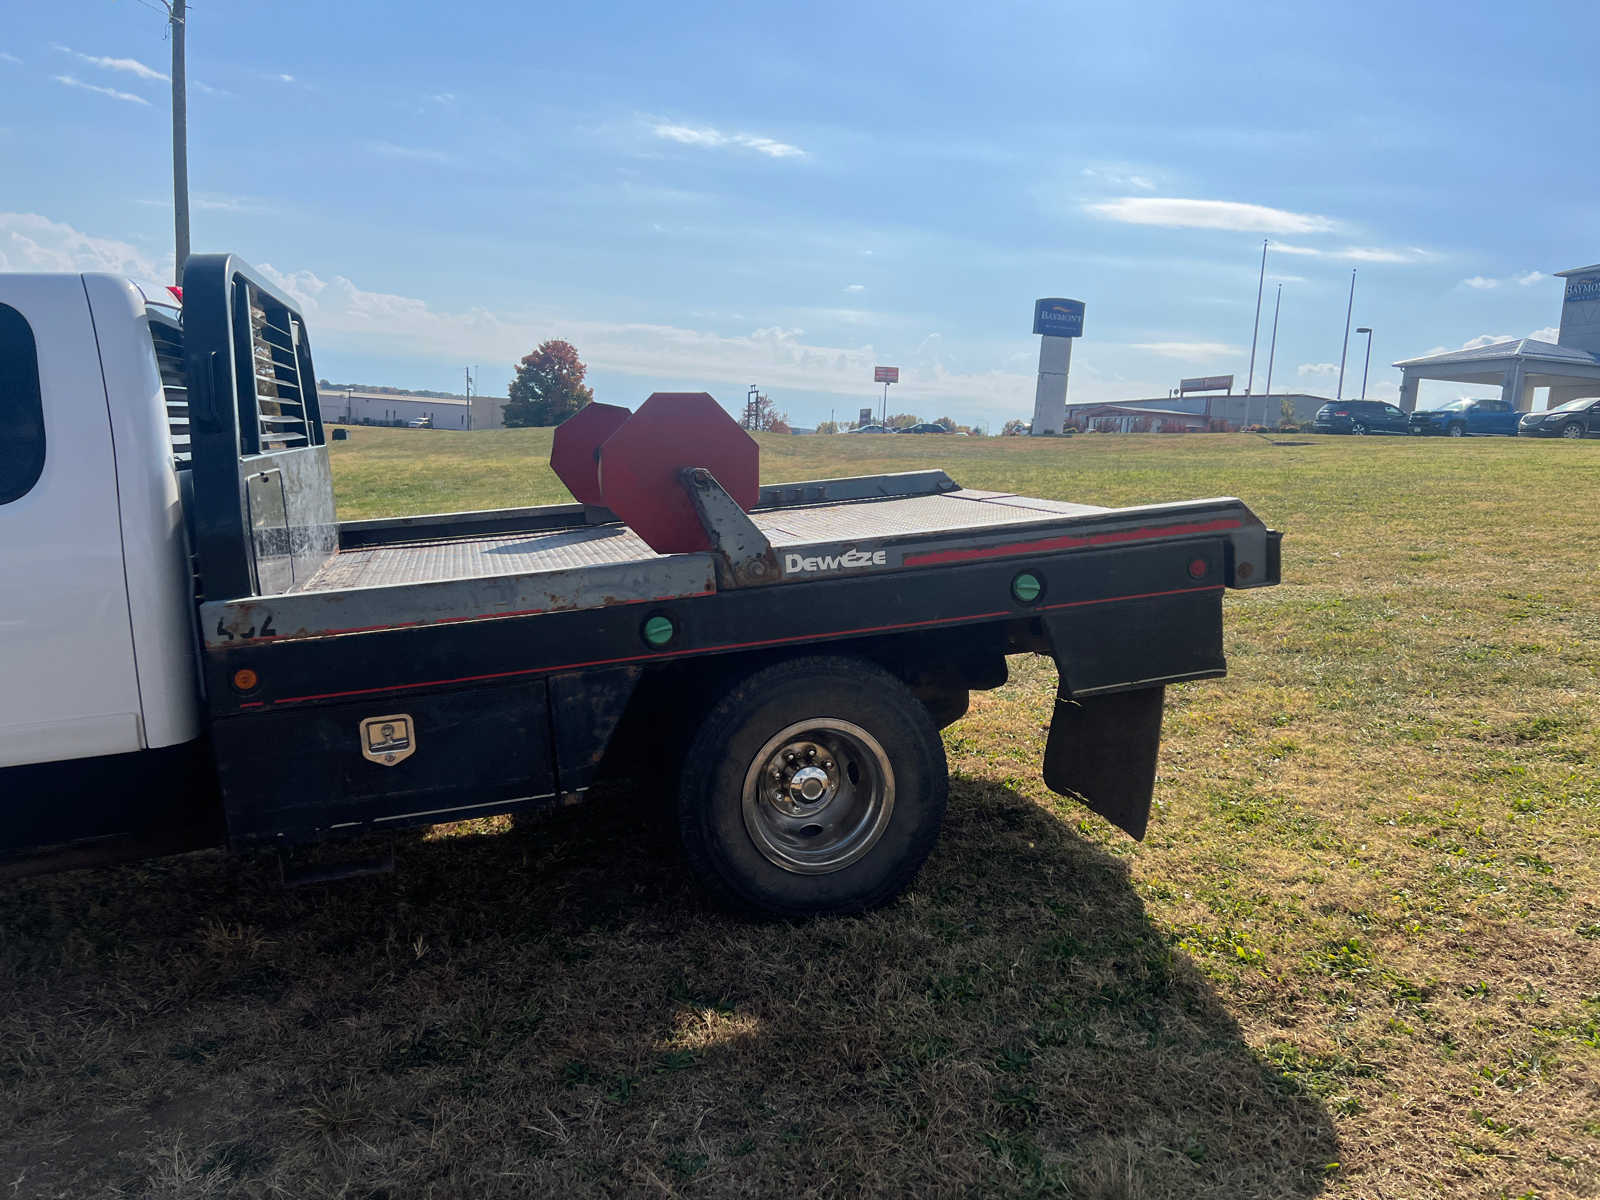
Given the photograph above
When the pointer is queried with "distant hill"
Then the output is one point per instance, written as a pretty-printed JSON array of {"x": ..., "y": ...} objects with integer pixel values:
[{"x": 324, "y": 386}]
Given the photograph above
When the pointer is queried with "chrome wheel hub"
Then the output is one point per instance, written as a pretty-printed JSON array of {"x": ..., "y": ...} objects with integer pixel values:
[{"x": 818, "y": 796}]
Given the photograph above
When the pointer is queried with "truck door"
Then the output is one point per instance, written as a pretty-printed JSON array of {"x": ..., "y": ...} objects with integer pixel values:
[
  {"x": 1502, "y": 418},
  {"x": 66, "y": 643}
]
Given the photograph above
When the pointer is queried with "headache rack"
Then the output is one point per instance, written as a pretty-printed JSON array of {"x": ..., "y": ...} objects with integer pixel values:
[
  {"x": 281, "y": 421},
  {"x": 167, "y": 334}
]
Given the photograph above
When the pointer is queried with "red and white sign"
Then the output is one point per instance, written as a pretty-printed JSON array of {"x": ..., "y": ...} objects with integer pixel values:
[{"x": 885, "y": 374}]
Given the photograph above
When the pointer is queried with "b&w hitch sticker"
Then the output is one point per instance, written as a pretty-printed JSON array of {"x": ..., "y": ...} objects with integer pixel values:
[{"x": 850, "y": 560}]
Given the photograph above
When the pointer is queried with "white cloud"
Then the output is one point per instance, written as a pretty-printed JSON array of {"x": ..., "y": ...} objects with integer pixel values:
[
  {"x": 223, "y": 202},
  {"x": 114, "y": 64},
  {"x": 856, "y": 287},
  {"x": 208, "y": 89},
  {"x": 1208, "y": 214},
  {"x": 286, "y": 78},
  {"x": 1115, "y": 177},
  {"x": 343, "y": 315},
  {"x": 1479, "y": 282},
  {"x": 71, "y": 81},
  {"x": 29, "y": 242},
  {"x": 10, "y": 58},
  {"x": 127, "y": 64},
  {"x": 390, "y": 150},
  {"x": 1319, "y": 369},
  {"x": 1375, "y": 254},
  {"x": 1529, "y": 277},
  {"x": 1187, "y": 349},
  {"x": 1548, "y": 334},
  {"x": 691, "y": 136},
  {"x": 1483, "y": 284}
]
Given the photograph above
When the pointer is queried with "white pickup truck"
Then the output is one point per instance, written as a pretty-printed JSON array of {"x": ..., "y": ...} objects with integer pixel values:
[{"x": 195, "y": 651}]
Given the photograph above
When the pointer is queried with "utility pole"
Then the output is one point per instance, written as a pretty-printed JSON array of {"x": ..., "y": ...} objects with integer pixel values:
[
  {"x": 468, "y": 370},
  {"x": 177, "y": 18},
  {"x": 1339, "y": 394},
  {"x": 1255, "y": 331}
]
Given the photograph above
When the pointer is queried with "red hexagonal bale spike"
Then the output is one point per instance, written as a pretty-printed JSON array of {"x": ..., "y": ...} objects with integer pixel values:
[
  {"x": 575, "y": 449},
  {"x": 639, "y": 467}
]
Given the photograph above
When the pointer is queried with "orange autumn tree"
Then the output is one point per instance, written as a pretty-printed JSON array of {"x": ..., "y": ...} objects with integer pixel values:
[{"x": 548, "y": 388}]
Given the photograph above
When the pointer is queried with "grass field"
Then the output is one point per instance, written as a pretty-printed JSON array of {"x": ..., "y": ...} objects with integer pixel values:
[{"x": 1358, "y": 955}]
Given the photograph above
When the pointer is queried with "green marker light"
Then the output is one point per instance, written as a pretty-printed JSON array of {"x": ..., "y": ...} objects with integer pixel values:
[
  {"x": 658, "y": 631},
  {"x": 1026, "y": 588}
]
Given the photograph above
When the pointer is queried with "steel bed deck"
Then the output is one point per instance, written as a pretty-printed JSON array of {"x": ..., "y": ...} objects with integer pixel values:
[{"x": 603, "y": 545}]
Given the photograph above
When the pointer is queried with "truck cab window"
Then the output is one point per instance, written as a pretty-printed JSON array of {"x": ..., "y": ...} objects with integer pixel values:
[{"x": 21, "y": 408}]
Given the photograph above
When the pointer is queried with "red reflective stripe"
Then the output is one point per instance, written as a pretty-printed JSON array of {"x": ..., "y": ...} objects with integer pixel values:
[{"x": 1070, "y": 542}]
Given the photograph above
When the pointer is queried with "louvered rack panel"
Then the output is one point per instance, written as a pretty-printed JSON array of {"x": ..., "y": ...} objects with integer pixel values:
[
  {"x": 280, "y": 397},
  {"x": 168, "y": 338}
]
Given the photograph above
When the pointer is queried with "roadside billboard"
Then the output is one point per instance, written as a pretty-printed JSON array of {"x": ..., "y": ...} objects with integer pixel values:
[{"x": 885, "y": 374}]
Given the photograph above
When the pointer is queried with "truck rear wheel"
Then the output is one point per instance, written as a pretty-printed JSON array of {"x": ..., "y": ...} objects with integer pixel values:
[{"x": 814, "y": 786}]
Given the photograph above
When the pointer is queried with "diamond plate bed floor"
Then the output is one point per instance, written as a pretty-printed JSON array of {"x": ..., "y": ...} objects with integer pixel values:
[{"x": 566, "y": 549}]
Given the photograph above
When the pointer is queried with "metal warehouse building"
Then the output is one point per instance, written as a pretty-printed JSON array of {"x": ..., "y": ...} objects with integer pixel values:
[{"x": 349, "y": 406}]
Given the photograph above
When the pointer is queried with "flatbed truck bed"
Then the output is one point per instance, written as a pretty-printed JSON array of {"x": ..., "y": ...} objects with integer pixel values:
[{"x": 777, "y": 659}]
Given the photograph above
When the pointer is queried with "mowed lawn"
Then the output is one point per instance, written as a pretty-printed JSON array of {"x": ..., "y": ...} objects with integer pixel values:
[{"x": 1358, "y": 954}]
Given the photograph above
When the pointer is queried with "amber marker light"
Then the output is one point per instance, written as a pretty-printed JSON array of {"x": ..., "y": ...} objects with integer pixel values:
[{"x": 244, "y": 679}]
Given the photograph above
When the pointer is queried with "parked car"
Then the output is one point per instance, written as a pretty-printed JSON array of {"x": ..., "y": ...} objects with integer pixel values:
[
  {"x": 925, "y": 427},
  {"x": 420, "y": 423},
  {"x": 1468, "y": 418},
  {"x": 870, "y": 429},
  {"x": 1574, "y": 419},
  {"x": 1359, "y": 417}
]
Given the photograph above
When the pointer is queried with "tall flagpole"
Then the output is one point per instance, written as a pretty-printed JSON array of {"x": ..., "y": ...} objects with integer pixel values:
[
  {"x": 1272, "y": 354},
  {"x": 1339, "y": 394},
  {"x": 1256, "y": 332}
]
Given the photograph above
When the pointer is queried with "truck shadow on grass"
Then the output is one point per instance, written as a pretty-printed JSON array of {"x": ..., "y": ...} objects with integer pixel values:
[{"x": 554, "y": 1009}]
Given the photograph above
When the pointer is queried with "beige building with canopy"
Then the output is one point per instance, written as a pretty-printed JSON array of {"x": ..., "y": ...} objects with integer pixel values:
[{"x": 1569, "y": 366}]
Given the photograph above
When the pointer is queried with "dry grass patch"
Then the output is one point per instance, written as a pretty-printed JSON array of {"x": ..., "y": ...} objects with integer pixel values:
[{"x": 1357, "y": 956}]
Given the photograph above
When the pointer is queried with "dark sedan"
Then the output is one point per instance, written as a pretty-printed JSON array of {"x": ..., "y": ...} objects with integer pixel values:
[
  {"x": 925, "y": 427},
  {"x": 1574, "y": 419}
]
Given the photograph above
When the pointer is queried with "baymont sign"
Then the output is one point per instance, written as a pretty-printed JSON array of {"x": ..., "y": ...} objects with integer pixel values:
[
  {"x": 799, "y": 564},
  {"x": 1058, "y": 317},
  {"x": 1583, "y": 287}
]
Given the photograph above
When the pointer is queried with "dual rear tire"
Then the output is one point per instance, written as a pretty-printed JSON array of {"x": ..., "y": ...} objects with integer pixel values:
[{"x": 814, "y": 786}]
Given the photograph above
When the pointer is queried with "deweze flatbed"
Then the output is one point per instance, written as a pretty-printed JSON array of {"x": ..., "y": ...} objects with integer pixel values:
[{"x": 197, "y": 652}]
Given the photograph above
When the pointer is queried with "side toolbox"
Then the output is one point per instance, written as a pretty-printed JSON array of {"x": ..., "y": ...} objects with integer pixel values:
[{"x": 352, "y": 769}]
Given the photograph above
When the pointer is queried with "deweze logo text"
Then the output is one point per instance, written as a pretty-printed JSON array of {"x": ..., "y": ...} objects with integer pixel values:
[{"x": 798, "y": 564}]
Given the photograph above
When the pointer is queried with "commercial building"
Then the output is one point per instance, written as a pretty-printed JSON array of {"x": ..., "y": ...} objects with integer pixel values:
[
  {"x": 1230, "y": 412},
  {"x": 350, "y": 406},
  {"x": 1569, "y": 367}
]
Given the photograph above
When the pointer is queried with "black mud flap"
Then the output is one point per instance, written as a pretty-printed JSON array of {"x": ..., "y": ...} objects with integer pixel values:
[{"x": 1103, "y": 749}]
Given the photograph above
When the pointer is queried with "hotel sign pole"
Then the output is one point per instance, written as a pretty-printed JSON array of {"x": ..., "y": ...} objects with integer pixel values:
[
  {"x": 1059, "y": 321},
  {"x": 885, "y": 376}
]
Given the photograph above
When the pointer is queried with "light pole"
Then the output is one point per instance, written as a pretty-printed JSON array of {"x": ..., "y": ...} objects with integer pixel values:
[{"x": 1368, "y": 363}]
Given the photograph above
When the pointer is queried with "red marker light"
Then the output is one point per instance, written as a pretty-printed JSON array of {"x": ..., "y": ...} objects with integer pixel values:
[
  {"x": 176, "y": 291},
  {"x": 1198, "y": 568},
  {"x": 1345, "y": 413}
]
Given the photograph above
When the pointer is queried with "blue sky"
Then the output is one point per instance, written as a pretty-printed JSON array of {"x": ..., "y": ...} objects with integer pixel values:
[{"x": 709, "y": 196}]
